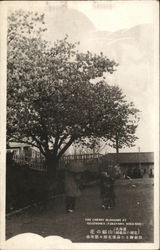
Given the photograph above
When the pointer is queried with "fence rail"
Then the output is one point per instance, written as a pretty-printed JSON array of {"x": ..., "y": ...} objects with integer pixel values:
[
  {"x": 39, "y": 163},
  {"x": 33, "y": 163},
  {"x": 82, "y": 157}
]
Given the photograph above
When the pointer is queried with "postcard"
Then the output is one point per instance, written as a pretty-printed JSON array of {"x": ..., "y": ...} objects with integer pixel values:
[{"x": 79, "y": 125}]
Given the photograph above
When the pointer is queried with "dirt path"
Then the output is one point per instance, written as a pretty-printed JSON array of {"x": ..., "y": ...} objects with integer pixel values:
[{"x": 133, "y": 204}]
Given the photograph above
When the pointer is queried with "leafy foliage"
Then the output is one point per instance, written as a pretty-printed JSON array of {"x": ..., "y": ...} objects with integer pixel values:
[
  {"x": 116, "y": 119},
  {"x": 52, "y": 101}
]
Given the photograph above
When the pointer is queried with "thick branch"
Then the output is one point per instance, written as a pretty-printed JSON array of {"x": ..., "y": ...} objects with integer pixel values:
[
  {"x": 65, "y": 147},
  {"x": 55, "y": 148},
  {"x": 39, "y": 145},
  {"x": 62, "y": 140}
]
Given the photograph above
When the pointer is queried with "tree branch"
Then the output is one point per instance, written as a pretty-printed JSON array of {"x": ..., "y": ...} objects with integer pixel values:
[
  {"x": 55, "y": 148},
  {"x": 62, "y": 140},
  {"x": 65, "y": 147},
  {"x": 40, "y": 146}
]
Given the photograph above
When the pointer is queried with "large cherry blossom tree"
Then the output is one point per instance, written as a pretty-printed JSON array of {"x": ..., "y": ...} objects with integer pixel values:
[{"x": 52, "y": 100}]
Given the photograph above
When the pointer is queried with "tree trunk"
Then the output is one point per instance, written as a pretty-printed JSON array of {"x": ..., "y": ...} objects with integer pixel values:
[{"x": 52, "y": 165}]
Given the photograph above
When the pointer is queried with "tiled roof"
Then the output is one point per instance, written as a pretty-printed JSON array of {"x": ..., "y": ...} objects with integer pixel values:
[{"x": 143, "y": 157}]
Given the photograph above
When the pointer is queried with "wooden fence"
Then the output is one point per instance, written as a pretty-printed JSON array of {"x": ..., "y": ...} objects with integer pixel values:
[
  {"x": 83, "y": 157},
  {"x": 33, "y": 163},
  {"x": 39, "y": 163}
]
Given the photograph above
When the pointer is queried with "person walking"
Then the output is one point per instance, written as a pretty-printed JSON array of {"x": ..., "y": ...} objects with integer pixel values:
[{"x": 72, "y": 190}]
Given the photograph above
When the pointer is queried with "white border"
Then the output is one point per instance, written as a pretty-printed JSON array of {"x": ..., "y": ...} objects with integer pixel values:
[{"x": 34, "y": 241}]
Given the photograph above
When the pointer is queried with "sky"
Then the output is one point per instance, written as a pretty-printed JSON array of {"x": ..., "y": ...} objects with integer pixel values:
[
  {"x": 115, "y": 15},
  {"x": 124, "y": 31}
]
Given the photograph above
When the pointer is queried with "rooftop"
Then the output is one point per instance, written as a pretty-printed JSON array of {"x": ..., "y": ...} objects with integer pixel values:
[{"x": 143, "y": 157}]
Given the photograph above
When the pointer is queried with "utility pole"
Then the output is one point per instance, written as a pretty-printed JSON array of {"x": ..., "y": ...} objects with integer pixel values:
[
  {"x": 75, "y": 151},
  {"x": 117, "y": 150},
  {"x": 139, "y": 160}
]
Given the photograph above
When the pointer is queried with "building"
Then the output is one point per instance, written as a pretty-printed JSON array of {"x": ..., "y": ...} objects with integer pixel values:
[
  {"x": 24, "y": 154},
  {"x": 139, "y": 164},
  {"x": 23, "y": 149}
]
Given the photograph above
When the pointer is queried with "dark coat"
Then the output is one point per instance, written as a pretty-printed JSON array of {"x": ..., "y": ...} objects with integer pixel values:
[
  {"x": 71, "y": 185},
  {"x": 106, "y": 186}
]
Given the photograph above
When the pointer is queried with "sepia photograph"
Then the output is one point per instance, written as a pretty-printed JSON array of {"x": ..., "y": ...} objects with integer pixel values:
[{"x": 79, "y": 125}]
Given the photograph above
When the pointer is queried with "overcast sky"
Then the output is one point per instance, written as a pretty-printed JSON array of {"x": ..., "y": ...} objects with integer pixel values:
[
  {"x": 132, "y": 48},
  {"x": 115, "y": 15}
]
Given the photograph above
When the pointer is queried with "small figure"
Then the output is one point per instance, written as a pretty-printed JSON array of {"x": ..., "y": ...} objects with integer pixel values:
[
  {"x": 150, "y": 173},
  {"x": 107, "y": 191},
  {"x": 72, "y": 190}
]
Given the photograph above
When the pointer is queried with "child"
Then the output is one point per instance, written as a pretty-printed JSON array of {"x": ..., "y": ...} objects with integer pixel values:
[
  {"x": 72, "y": 190},
  {"x": 107, "y": 190}
]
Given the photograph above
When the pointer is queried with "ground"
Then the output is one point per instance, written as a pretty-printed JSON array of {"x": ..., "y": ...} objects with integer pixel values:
[{"x": 134, "y": 204}]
